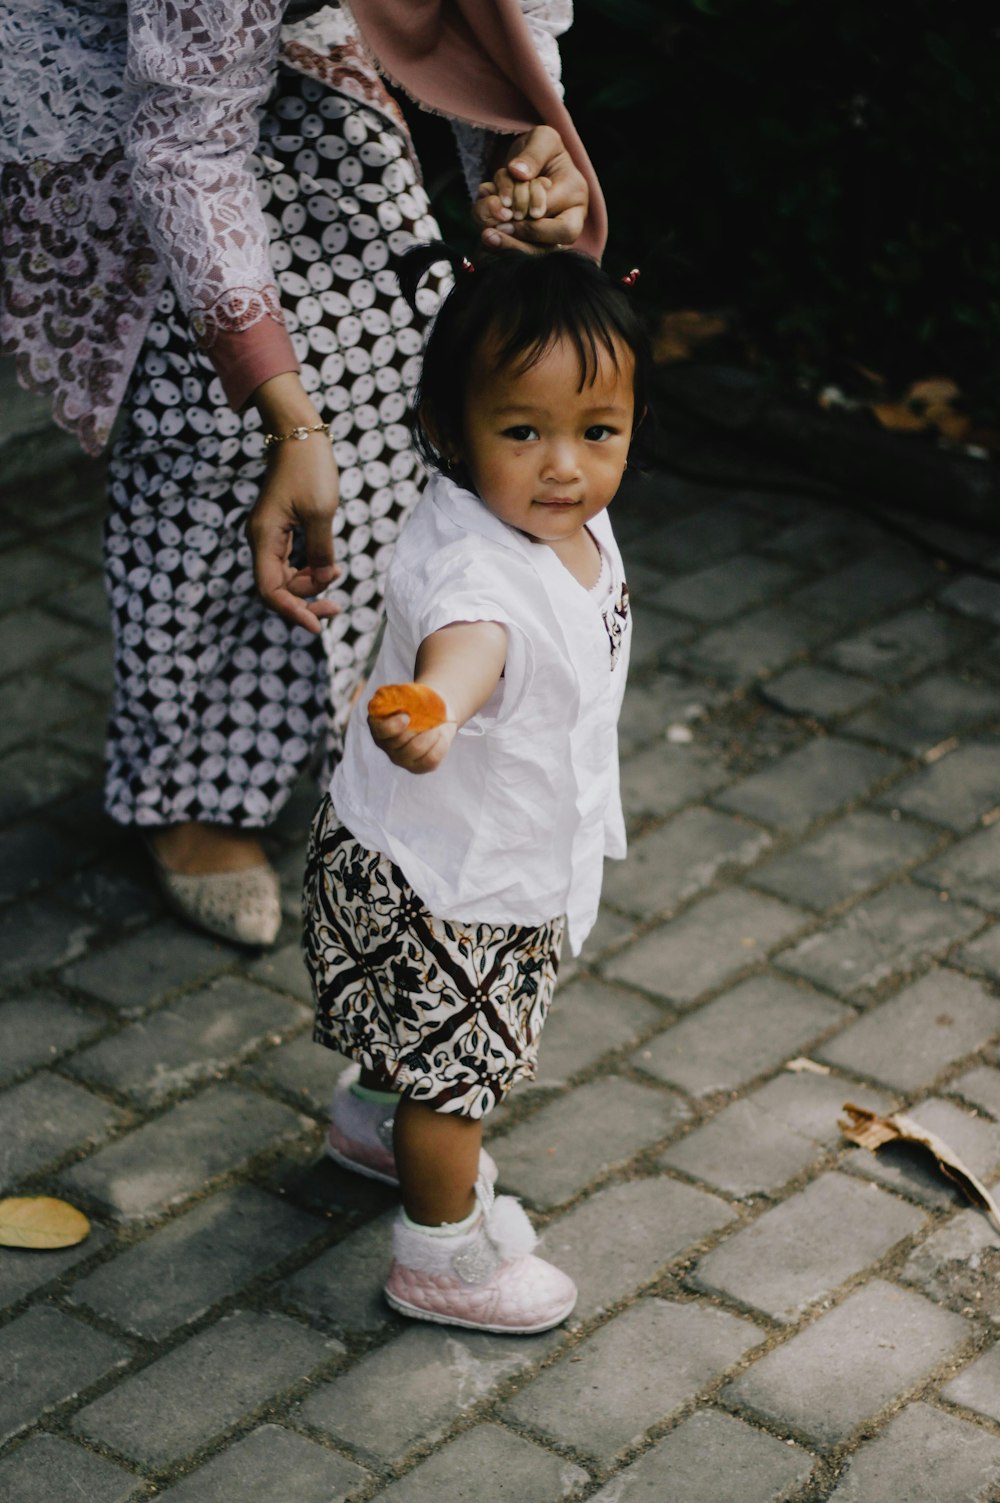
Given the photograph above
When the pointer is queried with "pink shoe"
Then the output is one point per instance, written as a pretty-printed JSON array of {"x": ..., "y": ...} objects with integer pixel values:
[
  {"x": 486, "y": 1279},
  {"x": 359, "y": 1136}
]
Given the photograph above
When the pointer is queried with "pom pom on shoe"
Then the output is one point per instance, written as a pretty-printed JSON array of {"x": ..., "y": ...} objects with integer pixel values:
[
  {"x": 424, "y": 706},
  {"x": 509, "y": 1229}
]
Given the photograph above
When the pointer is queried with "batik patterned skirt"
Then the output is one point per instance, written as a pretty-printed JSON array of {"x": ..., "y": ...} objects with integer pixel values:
[
  {"x": 451, "y": 1013},
  {"x": 220, "y": 704}
]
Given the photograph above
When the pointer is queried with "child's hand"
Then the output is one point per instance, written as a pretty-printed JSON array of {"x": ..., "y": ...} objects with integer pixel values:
[
  {"x": 417, "y": 737},
  {"x": 504, "y": 202}
]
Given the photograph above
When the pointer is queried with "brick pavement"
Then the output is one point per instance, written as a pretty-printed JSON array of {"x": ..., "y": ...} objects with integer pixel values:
[{"x": 811, "y": 780}]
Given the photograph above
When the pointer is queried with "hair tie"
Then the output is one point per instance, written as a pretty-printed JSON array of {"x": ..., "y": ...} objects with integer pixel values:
[
  {"x": 632, "y": 277},
  {"x": 467, "y": 264}
]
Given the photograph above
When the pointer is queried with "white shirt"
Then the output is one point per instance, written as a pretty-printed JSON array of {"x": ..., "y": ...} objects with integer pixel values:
[{"x": 514, "y": 826}]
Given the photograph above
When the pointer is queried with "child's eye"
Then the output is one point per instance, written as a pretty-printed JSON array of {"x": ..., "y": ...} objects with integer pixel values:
[
  {"x": 599, "y": 433},
  {"x": 521, "y": 433}
]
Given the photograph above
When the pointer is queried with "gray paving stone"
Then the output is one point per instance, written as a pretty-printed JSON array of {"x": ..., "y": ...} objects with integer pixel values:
[
  {"x": 45, "y": 1118},
  {"x": 688, "y": 1465},
  {"x": 269, "y": 1464},
  {"x": 417, "y": 1385},
  {"x": 982, "y": 954},
  {"x": 804, "y": 1249},
  {"x": 37, "y": 935},
  {"x": 726, "y": 589},
  {"x": 616, "y": 1386},
  {"x": 32, "y": 638},
  {"x": 658, "y": 701},
  {"x": 587, "y": 1020},
  {"x": 742, "y": 1034},
  {"x": 883, "y": 581},
  {"x": 33, "y": 855},
  {"x": 36, "y": 705},
  {"x": 811, "y": 1104},
  {"x": 301, "y": 1069},
  {"x": 92, "y": 668},
  {"x": 680, "y": 860},
  {"x": 981, "y": 1087},
  {"x": 890, "y": 934},
  {"x": 47, "y": 1468},
  {"x": 706, "y": 946},
  {"x": 285, "y": 969},
  {"x": 933, "y": 710},
  {"x": 923, "y": 1456},
  {"x": 22, "y": 1271},
  {"x": 190, "y": 1040},
  {"x": 912, "y": 1169},
  {"x": 137, "y": 971},
  {"x": 488, "y": 1465},
  {"x": 832, "y": 535},
  {"x": 26, "y": 575},
  {"x": 85, "y": 603},
  {"x": 174, "y": 1276},
  {"x": 165, "y": 1161},
  {"x": 958, "y": 1266},
  {"x": 663, "y": 778},
  {"x": 654, "y": 632},
  {"x": 969, "y": 869},
  {"x": 978, "y": 1388},
  {"x": 114, "y": 893},
  {"x": 972, "y": 595},
  {"x": 809, "y": 783},
  {"x": 859, "y": 851},
  {"x": 709, "y": 533},
  {"x": 54, "y": 1358},
  {"x": 553, "y": 1156},
  {"x": 196, "y": 1392},
  {"x": 821, "y": 693},
  {"x": 343, "y": 1286},
  {"x": 621, "y": 1238},
  {"x": 955, "y": 791},
  {"x": 38, "y": 1029},
  {"x": 919, "y": 1033},
  {"x": 903, "y": 645},
  {"x": 37, "y": 776},
  {"x": 816, "y": 1385},
  {"x": 758, "y": 644},
  {"x": 743, "y": 1151}
]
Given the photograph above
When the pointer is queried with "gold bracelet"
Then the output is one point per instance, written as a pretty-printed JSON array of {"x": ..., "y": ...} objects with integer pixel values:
[{"x": 279, "y": 438}]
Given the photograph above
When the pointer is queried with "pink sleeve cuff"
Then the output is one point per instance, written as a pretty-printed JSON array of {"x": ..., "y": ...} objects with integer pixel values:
[{"x": 245, "y": 358}]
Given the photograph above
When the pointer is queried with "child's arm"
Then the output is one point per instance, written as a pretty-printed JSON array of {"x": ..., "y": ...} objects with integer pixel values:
[{"x": 462, "y": 663}]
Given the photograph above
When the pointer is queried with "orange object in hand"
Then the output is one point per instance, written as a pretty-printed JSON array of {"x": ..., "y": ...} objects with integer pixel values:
[{"x": 424, "y": 706}]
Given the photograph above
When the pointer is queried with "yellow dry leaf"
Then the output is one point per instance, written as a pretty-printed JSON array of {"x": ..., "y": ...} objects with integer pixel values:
[
  {"x": 899, "y": 416},
  {"x": 40, "y": 1221},
  {"x": 948, "y": 422},
  {"x": 935, "y": 390},
  {"x": 681, "y": 333}
]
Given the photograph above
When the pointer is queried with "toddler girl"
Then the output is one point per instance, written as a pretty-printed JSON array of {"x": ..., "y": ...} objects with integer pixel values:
[{"x": 459, "y": 840}]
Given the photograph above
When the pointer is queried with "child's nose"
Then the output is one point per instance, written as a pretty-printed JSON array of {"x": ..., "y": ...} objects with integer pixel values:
[{"x": 561, "y": 461}]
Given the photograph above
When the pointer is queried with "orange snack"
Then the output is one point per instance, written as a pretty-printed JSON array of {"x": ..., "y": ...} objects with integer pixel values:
[{"x": 425, "y": 708}]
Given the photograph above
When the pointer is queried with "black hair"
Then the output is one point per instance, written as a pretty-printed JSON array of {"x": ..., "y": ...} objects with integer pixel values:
[{"x": 526, "y": 302}]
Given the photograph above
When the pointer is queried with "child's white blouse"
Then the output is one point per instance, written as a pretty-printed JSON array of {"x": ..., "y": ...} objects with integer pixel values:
[{"x": 514, "y": 826}]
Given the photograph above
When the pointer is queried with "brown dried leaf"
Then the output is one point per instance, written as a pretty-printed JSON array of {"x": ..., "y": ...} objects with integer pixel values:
[
  {"x": 948, "y": 422},
  {"x": 935, "y": 391},
  {"x": 682, "y": 332},
  {"x": 870, "y": 1131},
  {"x": 900, "y": 417},
  {"x": 40, "y": 1221}
]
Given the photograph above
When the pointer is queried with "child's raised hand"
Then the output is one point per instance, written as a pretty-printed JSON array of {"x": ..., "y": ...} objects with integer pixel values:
[
  {"x": 410, "y": 723},
  {"x": 504, "y": 201}
]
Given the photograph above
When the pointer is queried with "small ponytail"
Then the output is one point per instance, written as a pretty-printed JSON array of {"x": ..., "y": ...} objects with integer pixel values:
[{"x": 414, "y": 264}]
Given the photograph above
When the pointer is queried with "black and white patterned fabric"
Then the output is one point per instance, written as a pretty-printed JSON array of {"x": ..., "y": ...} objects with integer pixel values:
[
  {"x": 450, "y": 1012},
  {"x": 219, "y": 704}
]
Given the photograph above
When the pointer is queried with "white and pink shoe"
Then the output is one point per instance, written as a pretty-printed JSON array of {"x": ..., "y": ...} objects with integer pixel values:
[
  {"x": 485, "y": 1278},
  {"x": 359, "y": 1136}
]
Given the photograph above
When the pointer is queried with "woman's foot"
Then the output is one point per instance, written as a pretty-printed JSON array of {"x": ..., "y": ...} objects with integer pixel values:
[
  {"x": 218, "y": 879},
  {"x": 481, "y": 1275}
]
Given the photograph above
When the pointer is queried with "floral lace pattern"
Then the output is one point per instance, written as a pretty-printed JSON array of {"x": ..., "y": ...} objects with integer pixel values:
[{"x": 155, "y": 103}]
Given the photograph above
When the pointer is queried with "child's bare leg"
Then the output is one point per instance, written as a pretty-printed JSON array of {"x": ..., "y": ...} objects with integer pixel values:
[{"x": 437, "y": 1157}]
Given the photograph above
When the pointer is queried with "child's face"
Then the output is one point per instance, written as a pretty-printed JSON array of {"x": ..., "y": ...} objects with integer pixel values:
[{"x": 545, "y": 455}]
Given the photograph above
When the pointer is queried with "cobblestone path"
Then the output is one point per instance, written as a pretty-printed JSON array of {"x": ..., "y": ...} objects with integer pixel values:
[{"x": 766, "y": 1313}]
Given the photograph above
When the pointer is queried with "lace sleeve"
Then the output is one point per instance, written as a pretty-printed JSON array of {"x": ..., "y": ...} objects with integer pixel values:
[
  {"x": 197, "y": 71},
  {"x": 546, "y": 20}
]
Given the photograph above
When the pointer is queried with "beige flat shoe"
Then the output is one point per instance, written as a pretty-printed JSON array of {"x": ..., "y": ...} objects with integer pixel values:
[{"x": 242, "y": 906}]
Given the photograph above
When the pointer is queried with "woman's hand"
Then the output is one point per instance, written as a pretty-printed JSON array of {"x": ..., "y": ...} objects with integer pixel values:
[
  {"x": 537, "y": 199},
  {"x": 414, "y": 751},
  {"x": 300, "y": 492}
]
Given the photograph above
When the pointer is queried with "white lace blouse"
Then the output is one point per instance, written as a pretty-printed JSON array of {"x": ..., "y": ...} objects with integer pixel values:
[{"x": 126, "y": 129}]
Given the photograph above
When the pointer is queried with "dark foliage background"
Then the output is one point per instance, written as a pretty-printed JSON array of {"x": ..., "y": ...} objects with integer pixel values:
[{"x": 825, "y": 173}]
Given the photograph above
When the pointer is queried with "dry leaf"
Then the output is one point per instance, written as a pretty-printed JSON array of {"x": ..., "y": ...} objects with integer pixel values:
[
  {"x": 900, "y": 417},
  {"x": 934, "y": 391},
  {"x": 41, "y": 1222},
  {"x": 681, "y": 333},
  {"x": 870, "y": 1131},
  {"x": 812, "y": 1066}
]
